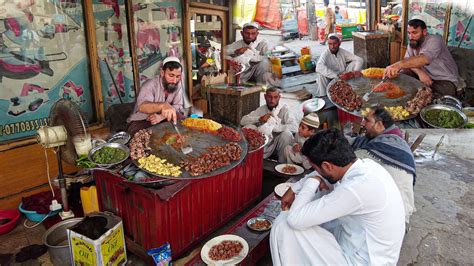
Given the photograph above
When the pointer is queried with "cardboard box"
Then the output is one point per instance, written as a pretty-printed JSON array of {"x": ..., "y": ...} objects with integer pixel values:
[{"x": 108, "y": 249}]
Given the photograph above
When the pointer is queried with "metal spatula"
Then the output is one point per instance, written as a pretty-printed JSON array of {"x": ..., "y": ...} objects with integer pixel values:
[
  {"x": 186, "y": 149},
  {"x": 366, "y": 96}
]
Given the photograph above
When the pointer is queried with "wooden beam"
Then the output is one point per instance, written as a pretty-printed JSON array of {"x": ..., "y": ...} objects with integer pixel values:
[
  {"x": 133, "y": 45},
  {"x": 208, "y": 6},
  {"x": 90, "y": 32}
]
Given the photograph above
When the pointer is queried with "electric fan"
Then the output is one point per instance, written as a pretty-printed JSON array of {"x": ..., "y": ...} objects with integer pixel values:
[{"x": 67, "y": 133}]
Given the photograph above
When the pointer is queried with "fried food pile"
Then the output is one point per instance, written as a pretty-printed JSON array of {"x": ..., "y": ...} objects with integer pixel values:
[
  {"x": 225, "y": 250},
  {"x": 343, "y": 94},
  {"x": 373, "y": 72},
  {"x": 422, "y": 98},
  {"x": 201, "y": 124}
]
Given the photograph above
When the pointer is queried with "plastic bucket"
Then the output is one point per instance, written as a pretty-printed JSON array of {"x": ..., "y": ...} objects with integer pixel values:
[{"x": 57, "y": 242}]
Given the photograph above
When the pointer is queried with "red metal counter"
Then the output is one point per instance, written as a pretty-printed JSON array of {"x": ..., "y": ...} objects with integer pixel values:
[{"x": 184, "y": 214}]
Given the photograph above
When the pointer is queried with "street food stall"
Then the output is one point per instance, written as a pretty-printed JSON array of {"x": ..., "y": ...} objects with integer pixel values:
[{"x": 188, "y": 196}]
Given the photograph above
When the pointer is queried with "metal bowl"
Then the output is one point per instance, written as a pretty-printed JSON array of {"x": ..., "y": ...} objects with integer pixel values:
[
  {"x": 251, "y": 221},
  {"x": 442, "y": 107},
  {"x": 449, "y": 100},
  {"x": 120, "y": 137},
  {"x": 111, "y": 145}
]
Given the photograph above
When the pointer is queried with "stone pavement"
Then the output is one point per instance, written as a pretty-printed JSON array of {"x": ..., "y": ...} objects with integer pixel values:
[{"x": 442, "y": 228}]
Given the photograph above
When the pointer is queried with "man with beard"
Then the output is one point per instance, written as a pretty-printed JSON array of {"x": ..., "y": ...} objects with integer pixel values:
[
  {"x": 275, "y": 121},
  {"x": 384, "y": 143},
  {"x": 160, "y": 98},
  {"x": 251, "y": 52},
  {"x": 333, "y": 62},
  {"x": 359, "y": 221},
  {"x": 428, "y": 59}
]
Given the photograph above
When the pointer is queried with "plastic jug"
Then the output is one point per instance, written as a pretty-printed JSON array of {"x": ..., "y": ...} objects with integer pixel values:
[
  {"x": 302, "y": 60},
  {"x": 276, "y": 66},
  {"x": 89, "y": 199}
]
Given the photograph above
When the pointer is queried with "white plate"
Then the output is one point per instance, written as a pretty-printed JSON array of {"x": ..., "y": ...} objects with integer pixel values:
[
  {"x": 313, "y": 105},
  {"x": 216, "y": 240},
  {"x": 280, "y": 189},
  {"x": 299, "y": 169}
]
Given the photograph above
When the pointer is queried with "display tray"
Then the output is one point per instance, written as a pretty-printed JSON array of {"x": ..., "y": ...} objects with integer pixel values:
[
  {"x": 200, "y": 142},
  {"x": 364, "y": 85}
]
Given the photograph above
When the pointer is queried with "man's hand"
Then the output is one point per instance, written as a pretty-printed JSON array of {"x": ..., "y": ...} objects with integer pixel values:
[
  {"x": 392, "y": 71},
  {"x": 297, "y": 147},
  {"x": 264, "y": 118},
  {"x": 240, "y": 50},
  {"x": 423, "y": 76},
  {"x": 154, "y": 119},
  {"x": 169, "y": 112},
  {"x": 287, "y": 199}
]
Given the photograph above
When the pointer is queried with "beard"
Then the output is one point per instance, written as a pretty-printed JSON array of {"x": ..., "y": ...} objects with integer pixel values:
[
  {"x": 416, "y": 43},
  {"x": 330, "y": 179},
  {"x": 170, "y": 87}
]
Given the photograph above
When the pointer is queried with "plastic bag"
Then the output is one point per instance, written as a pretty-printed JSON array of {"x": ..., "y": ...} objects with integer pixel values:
[{"x": 162, "y": 255}]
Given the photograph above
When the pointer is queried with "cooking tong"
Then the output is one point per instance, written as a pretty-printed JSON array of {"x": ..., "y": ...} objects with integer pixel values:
[{"x": 186, "y": 149}]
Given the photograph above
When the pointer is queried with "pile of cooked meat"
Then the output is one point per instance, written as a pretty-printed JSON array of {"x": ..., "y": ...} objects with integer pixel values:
[
  {"x": 422, "y": 98},
  {"x": 343, "y": 94},
  {"x": 225, "y": 250},
  {"x": 139, "y": 144},
  {"x": 216, "y": 157}
]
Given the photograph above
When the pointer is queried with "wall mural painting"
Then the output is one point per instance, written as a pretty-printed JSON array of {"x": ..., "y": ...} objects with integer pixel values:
[
  {"x": 114, "y": 53},
  {"x": 42, "y": 59},
  {"x": 433, "y": 12},
  {"x": 158, "y": 34},
  {"x": 461, "y": 26}
]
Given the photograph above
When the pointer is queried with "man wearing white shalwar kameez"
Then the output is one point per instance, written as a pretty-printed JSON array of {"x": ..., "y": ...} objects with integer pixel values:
[
  {"x": 252, "y": 53},
  {"x": 359, "y": 221},
  {"x": 275, "y": 121},
  {"x": 333, "y": 62}
]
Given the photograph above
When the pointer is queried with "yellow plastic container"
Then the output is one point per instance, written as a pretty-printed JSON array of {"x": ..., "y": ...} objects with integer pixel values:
[
  {"x": 276, "y": 66},
  {"x": 89, "y": 199},
  {"x": 302, "y": 60}
]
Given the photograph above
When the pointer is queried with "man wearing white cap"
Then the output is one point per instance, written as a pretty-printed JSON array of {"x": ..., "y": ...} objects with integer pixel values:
[
  {"x": 258, "y": 66},
  {"x": 308, "y": 126},
  {"x": 333, "y": 62},
  {"x": 160, "y": 98}
]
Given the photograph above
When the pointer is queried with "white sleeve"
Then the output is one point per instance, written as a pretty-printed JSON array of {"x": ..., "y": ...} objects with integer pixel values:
[
  {"x": 306, "y": 212},
  {"x": 252, "y": 118},
  {"x": 323, "y": 67},
  {"x": 287, "y": 122},
  {"x": 296, "y": 187}
]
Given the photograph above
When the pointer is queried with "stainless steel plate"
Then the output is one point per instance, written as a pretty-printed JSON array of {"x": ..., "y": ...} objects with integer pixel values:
[
  {"x": 251, "y": 221},
  {"x": 120, "y": 137},
  {"x": 200, "y": 142},
  {"x": 364, "y": 85}
]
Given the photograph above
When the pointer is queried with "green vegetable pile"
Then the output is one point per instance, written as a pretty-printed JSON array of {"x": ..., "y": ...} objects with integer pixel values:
[
  {"x": 108, "y": 155},
  {"x": 84, "y": 162},
  {"x": 444, "y": 118}
]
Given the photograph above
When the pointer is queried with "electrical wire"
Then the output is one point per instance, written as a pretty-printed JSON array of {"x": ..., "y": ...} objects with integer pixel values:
[
  {"x": 38, "y": 223},
  {"x": 47, "y": 172}
]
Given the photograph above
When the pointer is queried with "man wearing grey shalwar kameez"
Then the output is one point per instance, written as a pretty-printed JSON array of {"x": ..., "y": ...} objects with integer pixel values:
[{"x": 333, "y": 62}]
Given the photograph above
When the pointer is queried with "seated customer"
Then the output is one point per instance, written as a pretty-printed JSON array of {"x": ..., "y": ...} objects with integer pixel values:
[
  {"x": 428, "y": 59},
  {"x": 359, "y": 222},
  {"x": 274, "y": 120},
  {"x": 308, "y": 127},
  {"x": 384, "y": 143},
  {"x": 333, "y": 62}
]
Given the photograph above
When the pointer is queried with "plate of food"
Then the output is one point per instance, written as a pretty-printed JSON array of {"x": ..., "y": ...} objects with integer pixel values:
[
  {"x": 313, "y": 105},
  {"x": 281, "y": 189},
  {"x": 289, "y": 169},
  {"x": 224, "y": 250},
  {"x": 259, "y": 224}
]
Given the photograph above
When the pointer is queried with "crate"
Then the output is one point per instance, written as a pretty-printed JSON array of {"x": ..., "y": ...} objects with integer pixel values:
[
  {"x": 230, "y": 104},
  {"x": 188, "y": 215},
  {"x": 108, "y": 249}
]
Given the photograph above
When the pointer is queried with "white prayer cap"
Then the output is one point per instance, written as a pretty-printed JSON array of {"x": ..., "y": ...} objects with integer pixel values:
[
  {"x": 251, "y": 25},
  {"x": 171, "y": 59},
  {"x": 311, "y": 120}
]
